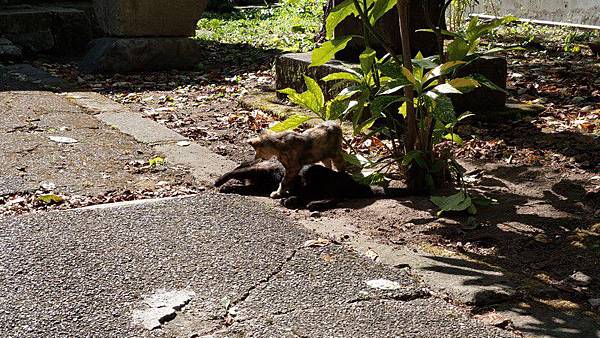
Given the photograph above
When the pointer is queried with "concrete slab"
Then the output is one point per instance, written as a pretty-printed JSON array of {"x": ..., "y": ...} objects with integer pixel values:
[
  {"x": 95, "y": 103},
  {"x": 142, "y": 129},
  {"x": 99, "y": 162},
  {"x": 85, "y": 272},
  {"x": 203, "y": 163},
  {"x": 471, "y": 283}
]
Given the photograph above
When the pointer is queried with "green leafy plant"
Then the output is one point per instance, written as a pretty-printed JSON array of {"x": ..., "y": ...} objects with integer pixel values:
[{"x": 399, "y": 98}]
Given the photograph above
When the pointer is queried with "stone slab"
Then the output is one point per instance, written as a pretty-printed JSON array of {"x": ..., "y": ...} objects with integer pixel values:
[
  {"x": 137, "y": 18},
  {"x": 483, "y": 99},
  {"x": 8, "y": 51},
  {"x": 113, "y": 55},
  {"x": 95, "y": 103},
  {"x": 290, "y": 69},
  {"x": 46, "y": 29},
  {"x": 205, "y": 165},
  {"x": 142, "y": 129}
]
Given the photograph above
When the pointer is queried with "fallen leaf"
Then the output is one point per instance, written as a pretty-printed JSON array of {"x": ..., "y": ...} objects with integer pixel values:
[{"x": 49, "y": 198}]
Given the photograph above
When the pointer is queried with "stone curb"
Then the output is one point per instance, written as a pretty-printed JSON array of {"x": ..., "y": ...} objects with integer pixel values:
[{"x": 205, "y": 165}]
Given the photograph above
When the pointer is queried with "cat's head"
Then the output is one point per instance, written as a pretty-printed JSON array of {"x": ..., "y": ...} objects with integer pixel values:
[{"x": 263, "y": 146}]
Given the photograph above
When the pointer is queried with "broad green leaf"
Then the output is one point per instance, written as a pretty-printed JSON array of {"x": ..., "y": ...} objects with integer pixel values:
[
  {"x": 465, "y": 116},
  {"x": 291, "y": 123},
  {"x": 414, "y": 156},
  {"x": 380, "y": 103},
  {"x": 372, "y": 177},
  {"x": 497, "y": 50},
  {"x": 408, "y": 75},
  {"x": 464, "y": 84},
  {"x": 425, "y": 63},
  {"x": 394, "y": 86},
  {"x": 485, "y": 82},
  {"x": 443, "y": 69},
  {"x": 458, "y": 49},
  {"x": 472, "y": 209},
  {"x": 440, "y": 106},
  {"x": 381, "y": 7},
  {"x": 306, "y": 99},
  {"x": 315, "y": 90},
  {"x": 443, "y": 31},
  {"x": 346, "y": 93},
  {"x": 49, "y": 198},
  {"x": 456, "y": 202},
  {"x": 446, "y": 88},
  {"x": 357, "y": 160},
  {"x": 367, "y": 59},
  {"x": 327, "y": 51},
  {"x": 402, "y": 110},
  {"x": 337, "y": 15},
  {"x": 366, "y": 125},
  {"x": 339, "y": 109},
  {"x": 341, "y": 76},
  {"x": 454, "y": 138}
]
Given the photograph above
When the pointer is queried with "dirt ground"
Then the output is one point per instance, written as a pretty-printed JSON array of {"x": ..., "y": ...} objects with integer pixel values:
[{"x": 544, "y": 170}]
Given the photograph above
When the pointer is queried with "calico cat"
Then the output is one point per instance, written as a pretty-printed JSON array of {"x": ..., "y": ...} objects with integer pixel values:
[
  {"x": 315, "y": 187},
  {"x": 295, "y": 150}
]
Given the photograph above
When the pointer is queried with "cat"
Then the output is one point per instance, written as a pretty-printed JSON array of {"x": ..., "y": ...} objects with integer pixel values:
[
  {"x": 256, "y": 178},
  {"x": 315, "y": 187},
  {"x": 294, "y": 150}
]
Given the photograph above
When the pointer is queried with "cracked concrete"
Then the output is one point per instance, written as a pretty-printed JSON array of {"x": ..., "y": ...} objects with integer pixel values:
[{"x": 89, "y": 269}]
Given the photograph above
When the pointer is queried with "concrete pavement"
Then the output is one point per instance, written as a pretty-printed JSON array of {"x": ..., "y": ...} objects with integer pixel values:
[{"x": 85, "y": 272}]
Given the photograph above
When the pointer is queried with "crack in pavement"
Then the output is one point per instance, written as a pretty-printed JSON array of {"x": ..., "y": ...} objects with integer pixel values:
[
  {"x": 407, "y": 297},
  {"x": 227, "y": 318}
]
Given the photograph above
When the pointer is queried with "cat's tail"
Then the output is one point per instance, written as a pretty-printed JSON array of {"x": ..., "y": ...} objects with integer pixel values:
[
  {"x": 223, "y": 179},
  {"x": 235, "y": 172}
]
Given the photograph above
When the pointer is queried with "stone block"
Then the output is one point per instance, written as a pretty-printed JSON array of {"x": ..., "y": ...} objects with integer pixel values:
[
  {"x": 388, "y": 28},
  {"x": 116, "y": 55},
  {"x": 290, "y": 69},
  {"x": 8, "y": 51},
  {"x": 46, "y": 29},
  {"x": 137, "y": 18},
  {"x": 484, "y": 99},
  {"x": 140, "y": 128}
]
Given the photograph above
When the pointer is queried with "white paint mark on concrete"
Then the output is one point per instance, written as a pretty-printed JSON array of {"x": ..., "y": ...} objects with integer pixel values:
[{"x": 161, "y": 307}]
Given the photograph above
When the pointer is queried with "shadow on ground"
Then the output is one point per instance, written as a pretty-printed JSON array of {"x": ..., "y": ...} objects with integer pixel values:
[{"x": 220, "y": 61}]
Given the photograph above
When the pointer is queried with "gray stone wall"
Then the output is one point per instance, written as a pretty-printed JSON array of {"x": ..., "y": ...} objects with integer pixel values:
[{"x": 583, "y": 12}]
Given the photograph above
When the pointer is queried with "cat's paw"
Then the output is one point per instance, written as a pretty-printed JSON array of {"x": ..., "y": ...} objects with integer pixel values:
[{"x": 276, "y": 194}]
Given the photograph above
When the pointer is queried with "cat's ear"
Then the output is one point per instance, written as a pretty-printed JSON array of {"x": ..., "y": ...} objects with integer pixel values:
[{"x": 254, "y": 142}]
